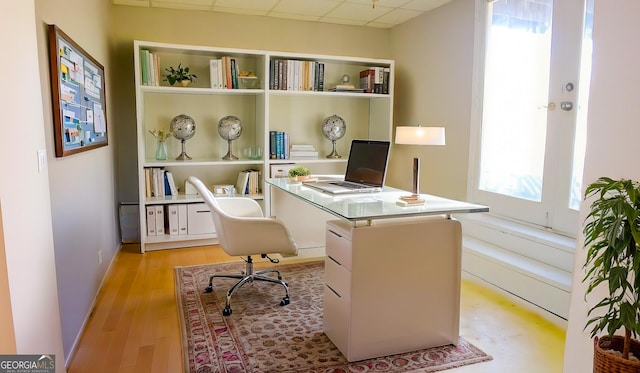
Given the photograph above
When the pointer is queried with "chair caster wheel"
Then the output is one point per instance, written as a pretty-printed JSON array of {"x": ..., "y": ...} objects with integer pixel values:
[
  {"x": 284, "y": 301},
  {"x": 226, "y": 311},
  {"x": 209, "y": 289}
]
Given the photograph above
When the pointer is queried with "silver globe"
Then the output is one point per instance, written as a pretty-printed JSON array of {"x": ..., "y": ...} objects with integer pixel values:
[
  {"x": 334, "y": 128},
  {"x": 183, "y": 128},
  {"x": 230, "y": 128}
]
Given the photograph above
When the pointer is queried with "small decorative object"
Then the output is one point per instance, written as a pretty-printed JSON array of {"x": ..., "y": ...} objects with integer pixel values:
[
  {"x": 254, "y": 152},
  {"x": 183, "y": 128},
  {"x": 180, "y": 75},
  {"x": 161, "y": 147},
  {"x": 299, "y": 173},
  {"x": 334, "y": 128},
  {"x": 230, "y": 128}
]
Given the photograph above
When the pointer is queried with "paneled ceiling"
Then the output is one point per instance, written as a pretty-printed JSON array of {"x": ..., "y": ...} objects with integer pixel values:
[{"x": 371, "y": 13}]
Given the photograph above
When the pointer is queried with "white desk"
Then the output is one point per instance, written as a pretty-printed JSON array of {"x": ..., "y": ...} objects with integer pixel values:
[{"x": 392, "y": 273}]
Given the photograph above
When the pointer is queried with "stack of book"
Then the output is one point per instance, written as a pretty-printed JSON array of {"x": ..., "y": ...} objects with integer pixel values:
[
  {"x": 150, "y": 66},
  {"x": 278, "y": 145},
  {"x": 248, "y": 182},
  {"x": 303, "y": 151},
  {"x": 296, "y": 75},
  {"x": 375, "y": 80},
  {"x": 224, "y": 73},
  {"x": 159, "y": 182}
]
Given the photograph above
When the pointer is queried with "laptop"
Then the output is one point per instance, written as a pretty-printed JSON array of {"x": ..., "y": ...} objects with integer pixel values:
[{"x": 366, "y": 169}]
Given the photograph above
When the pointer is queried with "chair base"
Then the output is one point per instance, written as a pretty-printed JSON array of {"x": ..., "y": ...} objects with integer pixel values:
[{"x": 249, "y": 276}]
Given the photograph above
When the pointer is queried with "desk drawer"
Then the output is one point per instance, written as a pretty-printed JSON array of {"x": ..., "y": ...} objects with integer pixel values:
[
  {"x": 338, "y": 247},
  {"x": 338, "y": 278},
  {"x": 336, "y": 319}
]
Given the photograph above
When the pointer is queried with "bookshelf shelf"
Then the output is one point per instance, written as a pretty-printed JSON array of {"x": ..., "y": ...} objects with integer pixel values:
[{"x": 299, "y": 113}]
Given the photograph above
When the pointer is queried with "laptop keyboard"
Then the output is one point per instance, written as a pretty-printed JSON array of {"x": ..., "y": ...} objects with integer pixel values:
[{"x": 347, "y": 184}]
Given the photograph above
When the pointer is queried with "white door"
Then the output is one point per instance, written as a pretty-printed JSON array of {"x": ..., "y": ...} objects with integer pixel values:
[{"x": 532, "y": 78}]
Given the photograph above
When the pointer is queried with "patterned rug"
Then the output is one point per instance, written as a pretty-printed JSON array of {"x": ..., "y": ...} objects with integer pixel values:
[{"x": 262, "y": 336}]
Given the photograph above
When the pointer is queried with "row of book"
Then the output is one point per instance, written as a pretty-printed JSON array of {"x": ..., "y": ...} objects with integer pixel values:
[
  {"x": 303, "y": 151},
  {"x": 224, "y": 73},
  {"x": 278, "y": 145},
  {"x": 375, "y": 80},
  {"x": 296, "y": 75},
  {"x": 159, "y": 182},
  {"x": 248, "y": 182},
  {"x": 150, "y": 66}
]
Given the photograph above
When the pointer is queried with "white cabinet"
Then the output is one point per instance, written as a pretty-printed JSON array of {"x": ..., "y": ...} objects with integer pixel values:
[
  {"x": 392, "y": 287},
  {"x": 299, "y": 113}
]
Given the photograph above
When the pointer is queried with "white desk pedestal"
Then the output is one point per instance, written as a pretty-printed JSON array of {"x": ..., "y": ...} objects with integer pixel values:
[{"x": 392, "y": 287}]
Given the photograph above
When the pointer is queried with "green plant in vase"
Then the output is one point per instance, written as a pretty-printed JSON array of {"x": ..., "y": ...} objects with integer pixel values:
[
  {"x": 299, "y": 173},
  {"x": 180, "y": 75},
  {"x": 161, "y": 146}
]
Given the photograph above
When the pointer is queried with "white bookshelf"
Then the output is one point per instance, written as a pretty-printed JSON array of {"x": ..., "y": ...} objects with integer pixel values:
[{"x": 299, "y": 113}]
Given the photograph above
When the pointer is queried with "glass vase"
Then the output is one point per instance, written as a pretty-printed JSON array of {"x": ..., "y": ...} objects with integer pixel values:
[{"x": 161, "y": 151}]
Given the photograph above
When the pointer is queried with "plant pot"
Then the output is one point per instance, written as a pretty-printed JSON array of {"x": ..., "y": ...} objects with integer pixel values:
[
  {"x": 185, "y": 83},
  {"x": 300, "y": 178},
  {"x": 606, "y": 362}
]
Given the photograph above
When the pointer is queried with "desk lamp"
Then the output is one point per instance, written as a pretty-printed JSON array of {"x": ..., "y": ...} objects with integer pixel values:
[{"x": 408, "y": 135}]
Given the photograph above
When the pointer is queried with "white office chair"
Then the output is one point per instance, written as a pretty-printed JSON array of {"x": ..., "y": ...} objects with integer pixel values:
[{"x": 243, "y": 230}]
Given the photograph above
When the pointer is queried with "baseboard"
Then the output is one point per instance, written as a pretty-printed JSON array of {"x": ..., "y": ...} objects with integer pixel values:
[{"x": 74, "y": 346}]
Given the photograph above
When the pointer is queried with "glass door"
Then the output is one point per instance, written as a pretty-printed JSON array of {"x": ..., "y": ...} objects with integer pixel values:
[{"x": 528, "y": 141}]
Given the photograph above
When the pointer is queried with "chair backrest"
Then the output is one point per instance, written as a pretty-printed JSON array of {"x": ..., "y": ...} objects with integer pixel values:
[{"x": 241, "y": 227}]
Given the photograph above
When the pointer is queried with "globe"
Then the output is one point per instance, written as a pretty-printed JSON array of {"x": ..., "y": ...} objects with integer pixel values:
[
  {"x": 334, "y": 129},
  {"x": 230, "y": 128},
  {"x": 183, "y": 128}
]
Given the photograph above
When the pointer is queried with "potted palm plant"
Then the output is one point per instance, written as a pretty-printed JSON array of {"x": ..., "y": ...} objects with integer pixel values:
[{"x": 611, "y": 236}]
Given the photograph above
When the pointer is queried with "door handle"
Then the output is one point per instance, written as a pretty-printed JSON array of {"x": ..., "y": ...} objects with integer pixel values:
[
  {"x": 551, "y": 106},
  {"x": 566, "y": 105}
]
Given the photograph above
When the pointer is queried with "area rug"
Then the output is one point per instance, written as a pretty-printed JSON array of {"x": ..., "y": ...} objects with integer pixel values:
[{"x": 262, "y": 336}]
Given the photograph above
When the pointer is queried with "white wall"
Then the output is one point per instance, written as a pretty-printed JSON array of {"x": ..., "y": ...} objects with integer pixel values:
[
  {"x": 24, "y": 192},
  {"x": 612, "y": 140},
  {"x": 82, "y": 186}
]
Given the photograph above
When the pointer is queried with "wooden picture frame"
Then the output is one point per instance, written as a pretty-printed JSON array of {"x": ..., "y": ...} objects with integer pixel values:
[{"x": 78, "y": 95}]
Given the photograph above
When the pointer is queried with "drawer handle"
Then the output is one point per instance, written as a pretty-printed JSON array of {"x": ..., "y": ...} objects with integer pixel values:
[
  {"x": 336, "y": 234},
  {"x": 335, "y": 261},
  {"x": 333, "y": 291}
]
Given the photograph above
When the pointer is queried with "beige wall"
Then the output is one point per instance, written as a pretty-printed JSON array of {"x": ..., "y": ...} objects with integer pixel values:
[
  {"x": 612, "y": 140},
  {"x": 434, "y": 60},
  {"x": 214, "y": 29},
  {"x": 24, "y": 191},
  {"x": 82, "y": 186},
  {"x": 7, "y": 337}
]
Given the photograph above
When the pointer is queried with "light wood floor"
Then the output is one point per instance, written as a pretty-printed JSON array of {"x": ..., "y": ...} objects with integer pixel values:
[{"x": 134, "y": 326}]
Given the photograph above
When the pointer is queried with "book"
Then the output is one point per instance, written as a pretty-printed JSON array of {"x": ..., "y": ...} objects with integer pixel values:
[
  {"x": 182, "y": 219},
  {"x": 213, "y": 74},
  {"x": 172, "y": 218},
  {"x": 159, "y": 220},
  {"x": 173, "y": 190},
  {"x": 242, "y": 183},
  {"x": 144, "y": 61},
  {"x": 151, "y": 220}
]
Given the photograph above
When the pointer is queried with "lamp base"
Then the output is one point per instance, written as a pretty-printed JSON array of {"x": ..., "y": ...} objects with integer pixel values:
[{"x": 410, "y": 200}]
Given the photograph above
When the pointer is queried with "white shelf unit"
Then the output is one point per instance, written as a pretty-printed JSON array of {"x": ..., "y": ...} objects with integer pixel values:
[{"x": 261, "y": 110}]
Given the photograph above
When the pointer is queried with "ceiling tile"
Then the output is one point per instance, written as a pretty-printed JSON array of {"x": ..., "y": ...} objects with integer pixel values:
[
  {"x": 306, "y": 7},
  {"x": 252, "y": 12},
  {"x": 298, "y": 17},
  {"x": 259, "y": 5},
  {"x": 358, "y": 12},
  {"x": 179, "y": 5},
  {"x": 424, "y": 5},
  {"x": 397, "y": 16},
  {"x": 343, "y": 21}
]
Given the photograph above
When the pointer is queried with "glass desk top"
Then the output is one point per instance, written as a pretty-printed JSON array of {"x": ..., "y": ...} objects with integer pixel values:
[{"x": 370, "y": 206}]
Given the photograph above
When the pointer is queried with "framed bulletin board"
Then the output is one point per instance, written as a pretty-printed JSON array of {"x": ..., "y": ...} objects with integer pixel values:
[{"x": 78, "y": 94}]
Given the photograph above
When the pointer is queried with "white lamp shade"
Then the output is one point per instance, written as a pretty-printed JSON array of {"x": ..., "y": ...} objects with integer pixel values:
[{"x": 409, "y": 135}]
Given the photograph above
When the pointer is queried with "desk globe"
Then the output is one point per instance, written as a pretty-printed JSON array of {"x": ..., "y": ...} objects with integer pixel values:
[
  {"x": 183, "y": 128},
  {"x": 230, "y": 128},
  {"x": 334, "y": 129}
]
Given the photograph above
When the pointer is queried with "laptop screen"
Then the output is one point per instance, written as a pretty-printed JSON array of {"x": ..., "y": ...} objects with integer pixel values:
[{"x": 367, "y": 162}]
